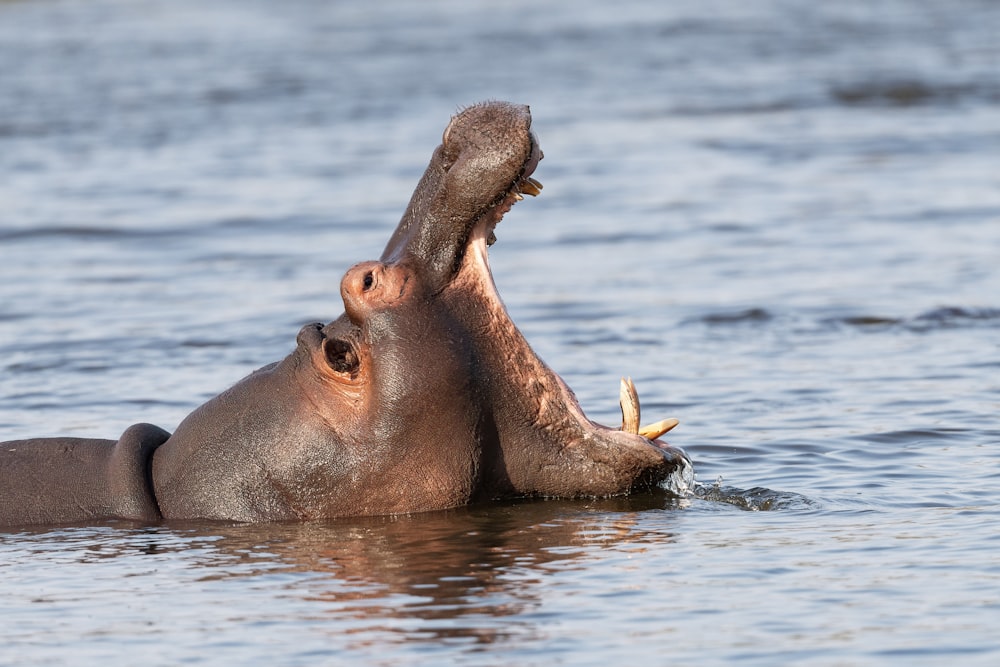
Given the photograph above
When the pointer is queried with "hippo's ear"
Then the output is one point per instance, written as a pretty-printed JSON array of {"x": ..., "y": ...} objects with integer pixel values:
[{"x": 341, "y": 356}]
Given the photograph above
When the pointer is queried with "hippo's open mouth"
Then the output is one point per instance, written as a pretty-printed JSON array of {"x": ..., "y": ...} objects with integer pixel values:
[
  {"x": 546, "y": 402},
  {"x": 476, "y": 265}
]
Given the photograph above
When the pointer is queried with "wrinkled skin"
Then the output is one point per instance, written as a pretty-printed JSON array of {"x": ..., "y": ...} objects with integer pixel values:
[{"x": 423, "y": 395}]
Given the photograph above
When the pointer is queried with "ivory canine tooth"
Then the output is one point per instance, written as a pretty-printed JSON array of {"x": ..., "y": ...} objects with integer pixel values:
[
  {"x": 628, "y": 398},
  {"x": 654, "y": 431}
]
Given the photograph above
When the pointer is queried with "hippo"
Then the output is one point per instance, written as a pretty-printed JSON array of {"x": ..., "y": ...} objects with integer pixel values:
[{"x": 423, "y": 395}]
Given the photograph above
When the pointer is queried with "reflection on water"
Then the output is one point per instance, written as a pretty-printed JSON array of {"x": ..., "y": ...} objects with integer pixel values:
[
  {"x": 461, "y": 574},
  {"x": 469, "y": 575}
]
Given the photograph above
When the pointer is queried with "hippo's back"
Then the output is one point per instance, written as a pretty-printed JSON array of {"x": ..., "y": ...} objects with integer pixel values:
[{"x": 72, "y": 480}]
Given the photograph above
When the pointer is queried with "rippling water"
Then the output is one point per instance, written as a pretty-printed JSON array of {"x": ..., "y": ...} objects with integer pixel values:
[{"x": 781, "y": 219}]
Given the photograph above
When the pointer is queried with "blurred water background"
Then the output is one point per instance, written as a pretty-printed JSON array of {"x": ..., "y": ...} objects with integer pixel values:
[{"x": 781, "y": 218}]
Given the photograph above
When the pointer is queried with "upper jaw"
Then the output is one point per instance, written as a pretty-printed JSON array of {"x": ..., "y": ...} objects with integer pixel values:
[
  {"x": 481, "y": 168},
  {"x": 524, "y": 184}
]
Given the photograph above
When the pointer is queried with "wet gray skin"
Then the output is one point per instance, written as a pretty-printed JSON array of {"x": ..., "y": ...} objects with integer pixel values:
[{"x": 423, "y": 395}]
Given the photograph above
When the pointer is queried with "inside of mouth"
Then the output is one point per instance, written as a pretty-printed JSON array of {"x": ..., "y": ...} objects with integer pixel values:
[{"x": 476, "y": 266}]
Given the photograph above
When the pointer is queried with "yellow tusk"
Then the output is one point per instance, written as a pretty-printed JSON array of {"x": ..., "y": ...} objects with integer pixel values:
[{"x": 654, "y": 431}]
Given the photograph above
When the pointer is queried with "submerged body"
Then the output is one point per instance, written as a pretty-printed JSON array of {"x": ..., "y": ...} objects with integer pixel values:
[{"x": 423, "y": 395}]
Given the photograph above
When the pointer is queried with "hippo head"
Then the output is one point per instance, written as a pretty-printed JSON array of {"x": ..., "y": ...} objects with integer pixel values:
[
  {"x": 454, "y": 399},
  {"x": 423, "y": 395}
]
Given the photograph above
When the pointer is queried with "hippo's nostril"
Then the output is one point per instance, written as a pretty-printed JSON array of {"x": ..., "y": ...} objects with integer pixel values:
[{"x": 369, "y": 281}]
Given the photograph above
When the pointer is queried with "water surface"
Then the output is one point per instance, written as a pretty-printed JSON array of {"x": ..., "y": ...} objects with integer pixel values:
[{"x": 782, "y": 220}]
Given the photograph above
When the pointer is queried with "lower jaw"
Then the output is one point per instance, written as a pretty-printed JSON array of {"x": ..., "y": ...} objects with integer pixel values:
[
  {"x": 561, "y": 413},
  {"x": 559, "y": 410}
]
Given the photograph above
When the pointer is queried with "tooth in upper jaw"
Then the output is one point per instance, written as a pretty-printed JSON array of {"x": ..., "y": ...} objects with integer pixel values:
[
  {"x": 518, "y": 196},
  {"x": 628, "y": 398},
  {"x": 654, "y": 431},
  {"x": 530, "y": 186}
]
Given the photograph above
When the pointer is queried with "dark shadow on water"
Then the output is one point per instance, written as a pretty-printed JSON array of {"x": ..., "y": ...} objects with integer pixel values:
[
  {"x": 944, "y": 317},
  {"x": 940, "y": 318},
  {"x": 751, "y": 316},
  {"x": 951, "y": 316},
  {"x": 84, "y": 233},
  {"x": 911, "y": 93}
]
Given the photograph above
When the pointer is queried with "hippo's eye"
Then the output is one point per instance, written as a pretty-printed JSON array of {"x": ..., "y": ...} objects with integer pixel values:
[
  {"x": 369, "y": 281},
  {"x": 341, "y": 356}
]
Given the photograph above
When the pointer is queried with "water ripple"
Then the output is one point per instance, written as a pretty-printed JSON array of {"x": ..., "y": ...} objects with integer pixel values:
[{"x": 757, "y": 499}]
